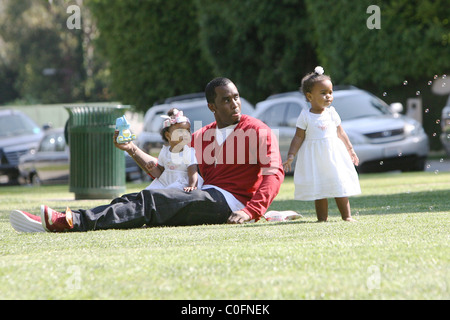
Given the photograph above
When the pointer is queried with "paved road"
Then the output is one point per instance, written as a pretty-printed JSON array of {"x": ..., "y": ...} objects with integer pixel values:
[{"x": 438, "y": 165}]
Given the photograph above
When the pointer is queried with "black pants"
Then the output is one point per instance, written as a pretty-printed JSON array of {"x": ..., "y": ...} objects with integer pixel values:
[{"x": 165, "y": 207}]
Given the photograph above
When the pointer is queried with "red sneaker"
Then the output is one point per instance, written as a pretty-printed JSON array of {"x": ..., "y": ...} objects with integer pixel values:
[
  {"x": 56, "y": 221},
  {"x": 23, "y": 221}
]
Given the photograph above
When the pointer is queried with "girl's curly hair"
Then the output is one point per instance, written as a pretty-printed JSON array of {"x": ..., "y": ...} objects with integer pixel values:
[{"x": 310, "y": 80}]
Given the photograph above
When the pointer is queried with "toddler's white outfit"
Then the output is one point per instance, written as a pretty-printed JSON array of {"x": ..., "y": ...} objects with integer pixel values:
[
  {"x": 324, "y": 168},
  {"x": 175, "y": 169}
]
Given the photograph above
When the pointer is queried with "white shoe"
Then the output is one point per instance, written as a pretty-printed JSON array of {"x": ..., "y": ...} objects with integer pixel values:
[
  {"x": 282, "y": 215},
  {"x": 23, "y": 221}
]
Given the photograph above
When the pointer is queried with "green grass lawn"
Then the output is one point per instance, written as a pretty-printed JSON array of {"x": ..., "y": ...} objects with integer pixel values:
[{"x": 398, "y": 249}]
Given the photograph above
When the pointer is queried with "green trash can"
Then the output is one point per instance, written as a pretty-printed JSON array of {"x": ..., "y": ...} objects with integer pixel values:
[{"x": 97, "y": 167}]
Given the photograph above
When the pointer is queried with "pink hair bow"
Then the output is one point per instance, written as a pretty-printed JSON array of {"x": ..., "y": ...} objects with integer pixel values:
[{"x": 177, "y": 117}]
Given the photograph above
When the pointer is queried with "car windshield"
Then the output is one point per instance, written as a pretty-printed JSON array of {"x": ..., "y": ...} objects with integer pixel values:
[
  {"x": 359, "y": 105},
  {"x": 13, "y": 125}
]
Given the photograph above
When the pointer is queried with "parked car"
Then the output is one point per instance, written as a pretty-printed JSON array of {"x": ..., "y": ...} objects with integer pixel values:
[
  {"x": 194, "y": 106},
  {"x": 50, "y": 163},
  {"x": 383, "y": 139},
  {"x": 445, "y": 124},
  {"x": 18, "y": 135}
]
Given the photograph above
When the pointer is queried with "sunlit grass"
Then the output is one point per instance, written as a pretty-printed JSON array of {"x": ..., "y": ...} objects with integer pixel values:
[{"x": 398, "y": 249}]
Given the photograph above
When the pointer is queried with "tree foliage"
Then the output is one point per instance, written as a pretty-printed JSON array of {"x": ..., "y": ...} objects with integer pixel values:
[
  {"x": 41, "y": 59},
  {"x": 152, "y": 47},
  {"x": 163, "y": 48},
  {"x": 264, "y": 46},
  {"x": 412, "y": 42}
]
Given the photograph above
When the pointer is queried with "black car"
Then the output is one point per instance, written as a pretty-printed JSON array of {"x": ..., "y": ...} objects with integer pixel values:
[{"x": 18, "y": 135}]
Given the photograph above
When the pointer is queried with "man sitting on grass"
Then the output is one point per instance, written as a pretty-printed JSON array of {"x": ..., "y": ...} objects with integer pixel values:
[{"x": 238, "y": 158}]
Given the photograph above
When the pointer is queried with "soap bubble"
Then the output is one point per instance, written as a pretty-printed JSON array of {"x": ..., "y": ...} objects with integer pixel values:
[
  {"x": 405, "y": 82},
  {"x": 430, "y": 83},
  {"x": 427, "y": 110},
  {"x": 438, "y": 121},
  {"x": 384, "y": 94},
  {"x": 417, "y": 93}
]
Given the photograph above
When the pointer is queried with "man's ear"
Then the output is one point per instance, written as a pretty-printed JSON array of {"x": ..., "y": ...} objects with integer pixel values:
[{"x": 212, "y": 107}]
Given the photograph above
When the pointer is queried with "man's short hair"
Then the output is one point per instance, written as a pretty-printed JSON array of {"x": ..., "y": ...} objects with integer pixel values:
[{"x": 210, "y": 90}]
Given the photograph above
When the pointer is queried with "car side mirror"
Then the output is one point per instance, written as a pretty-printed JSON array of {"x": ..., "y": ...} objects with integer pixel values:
[{"x": 396, "y": 107}]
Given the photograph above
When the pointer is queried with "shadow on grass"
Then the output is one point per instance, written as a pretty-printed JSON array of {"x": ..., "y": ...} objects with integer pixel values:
[{"x": 398, "y": 203}]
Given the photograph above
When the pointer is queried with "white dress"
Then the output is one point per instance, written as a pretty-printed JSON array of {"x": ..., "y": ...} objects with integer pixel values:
[
  {"x": 324, "y": 168},
  {"x": 175, "y": 169}
]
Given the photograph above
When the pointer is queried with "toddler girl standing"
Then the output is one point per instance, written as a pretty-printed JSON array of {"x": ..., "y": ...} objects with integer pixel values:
[
  {"x": 177, "y": 161},
  {"x": 325, "y": 161}
]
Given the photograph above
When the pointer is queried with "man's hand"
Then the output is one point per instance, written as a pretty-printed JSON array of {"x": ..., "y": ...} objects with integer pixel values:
[
  {"x": 238, "y": 217},
  {"x": 127, "y": 146}
]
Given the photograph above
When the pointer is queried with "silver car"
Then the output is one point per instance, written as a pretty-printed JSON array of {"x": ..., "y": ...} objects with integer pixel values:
[
  {"x": 383, "y": 139},
  {"x": 18, "y": 135},
  {"x": 445, "y": 124},
  {"x": 49, "y": 163}
]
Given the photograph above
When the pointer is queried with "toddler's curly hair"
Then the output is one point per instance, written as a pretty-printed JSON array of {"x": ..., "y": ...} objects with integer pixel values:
[{"x": 310, "y": 80}]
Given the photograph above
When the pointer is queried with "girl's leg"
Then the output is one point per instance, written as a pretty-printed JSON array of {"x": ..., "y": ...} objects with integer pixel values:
[
  {"x": 321, "y": 209},
  {"x": 343, "y": 205}
]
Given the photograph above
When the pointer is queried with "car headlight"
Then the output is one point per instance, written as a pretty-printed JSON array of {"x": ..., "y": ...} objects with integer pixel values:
[
  {"x": 413, "y": 129},
  {"x": 446, "y": 125}
]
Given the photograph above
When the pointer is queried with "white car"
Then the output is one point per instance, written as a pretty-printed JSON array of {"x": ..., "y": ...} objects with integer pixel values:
[
  {"x": 445, "y": 123},
  {"x": 194, "y": 106},
  {"x": 383, "y": 139}
]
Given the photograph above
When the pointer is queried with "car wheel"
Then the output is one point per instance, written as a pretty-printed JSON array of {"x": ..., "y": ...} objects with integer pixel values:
[
  {"x": 35, "y": 181},
  {"x": 417, "y": 165}
]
